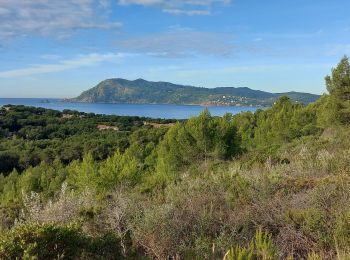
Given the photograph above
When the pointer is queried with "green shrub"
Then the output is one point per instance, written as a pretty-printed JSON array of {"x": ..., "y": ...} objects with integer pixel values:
[
  {"x": 55, "y": 242},
  {"x": 260, "y": 248},
  {"x": 239, "y": 253}
]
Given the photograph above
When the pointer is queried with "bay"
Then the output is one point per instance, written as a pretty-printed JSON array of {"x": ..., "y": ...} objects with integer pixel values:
[{"x": 144, "y": 110}]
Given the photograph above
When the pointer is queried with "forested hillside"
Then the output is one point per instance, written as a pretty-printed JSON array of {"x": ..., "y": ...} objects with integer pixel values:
[
  {"x": 273, "y": 184},
  {"x": 141, "y": 91}
]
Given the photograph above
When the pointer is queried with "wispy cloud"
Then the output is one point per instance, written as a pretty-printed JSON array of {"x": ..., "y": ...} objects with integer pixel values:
[
  {"x": 179, "y": 7},
  {"x": 214, "y": 73},
  {"x": 52, "y": 17},
  {"x": 186, "y": 12},
  {"x": 239, "y": 70},
  {"x": 180, "y": 43},
  {"x": 80, "y": 61},
  {"x": 291, "y": 35},
  {"x": 50, "y": 57},
  {"x": 338, "y": 49}
]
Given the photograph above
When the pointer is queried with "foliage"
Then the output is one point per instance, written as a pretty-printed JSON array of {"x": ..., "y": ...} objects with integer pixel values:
[
  {"x": 261, "y": 248},
  {"x": 201, "y": 138},
  {"x": 55, "y": 242},
  {"x": 34, "y": 135},
  {"x": 187, "y": 191},
  {"x": 338, "y": 85}
]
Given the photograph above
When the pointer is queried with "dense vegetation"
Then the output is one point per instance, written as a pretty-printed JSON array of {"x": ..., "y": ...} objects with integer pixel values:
[
  {"x": 273, "y": 184},
  {"x": 142, "y": 91},
  {"x": 31, "y": 135}
]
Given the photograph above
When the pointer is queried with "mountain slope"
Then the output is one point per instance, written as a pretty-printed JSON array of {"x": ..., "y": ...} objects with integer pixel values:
[{"x": 141, "y": 91}]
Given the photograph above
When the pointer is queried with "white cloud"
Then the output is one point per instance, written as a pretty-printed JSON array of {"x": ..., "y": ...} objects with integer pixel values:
[
  {"x": 180, "y": 43},
  {"x": 52, "y": 17},
  {"x": 80, "y": 61},
  {"x": 179, "y": 7}
]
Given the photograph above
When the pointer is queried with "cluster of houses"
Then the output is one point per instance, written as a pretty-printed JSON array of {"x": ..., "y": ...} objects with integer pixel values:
[
  {"x": 3, "y": 110},
  {"x": 107, "y": 127},
  {"x": 116, "y": 128}
]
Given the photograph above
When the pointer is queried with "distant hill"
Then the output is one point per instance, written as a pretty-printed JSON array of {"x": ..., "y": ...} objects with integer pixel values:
[{"x": 141, "y": 91}]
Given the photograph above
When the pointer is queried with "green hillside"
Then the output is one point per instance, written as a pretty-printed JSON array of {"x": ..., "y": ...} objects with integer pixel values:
[{"x": 141, "y": 92}]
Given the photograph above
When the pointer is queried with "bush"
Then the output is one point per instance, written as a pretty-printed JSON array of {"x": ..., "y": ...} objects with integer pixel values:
[
  {"x": 260, "y": 248},
  {"x": 55, "y": 242}
]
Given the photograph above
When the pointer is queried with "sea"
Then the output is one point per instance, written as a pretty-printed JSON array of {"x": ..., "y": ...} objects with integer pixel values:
[{"x": 143, "y": 110}]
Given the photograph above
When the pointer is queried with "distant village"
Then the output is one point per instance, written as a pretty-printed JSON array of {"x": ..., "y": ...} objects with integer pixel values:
[
  {"x": 116, "y": 128},
  {"x": 227, "y": 100}
]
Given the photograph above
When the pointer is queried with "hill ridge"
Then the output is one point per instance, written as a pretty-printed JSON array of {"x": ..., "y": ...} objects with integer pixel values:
[{"x": 141, "y": 91}]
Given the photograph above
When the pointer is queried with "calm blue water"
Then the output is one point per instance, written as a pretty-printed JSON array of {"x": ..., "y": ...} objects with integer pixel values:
[{"x": 147, "y": 110}]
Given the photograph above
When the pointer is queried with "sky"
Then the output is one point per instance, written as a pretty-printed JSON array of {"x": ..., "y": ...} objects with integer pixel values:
[{"x": 59, "y": 48}]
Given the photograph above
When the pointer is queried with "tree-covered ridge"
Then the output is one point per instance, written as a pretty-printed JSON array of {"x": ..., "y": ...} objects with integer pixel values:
[
  {"x": 273, "y": 184},
  {"x": 142, "y": 91}
]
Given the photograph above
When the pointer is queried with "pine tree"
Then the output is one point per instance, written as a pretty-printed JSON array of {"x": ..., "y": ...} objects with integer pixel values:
[{"x": 338, "y": 83}]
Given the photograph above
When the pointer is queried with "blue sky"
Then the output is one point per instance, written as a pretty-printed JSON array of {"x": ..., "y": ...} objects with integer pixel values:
[{"x": 55, "y": 48}]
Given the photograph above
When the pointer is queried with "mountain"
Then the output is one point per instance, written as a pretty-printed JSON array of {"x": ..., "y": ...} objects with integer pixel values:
[{"x": 141, "y": 91}]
